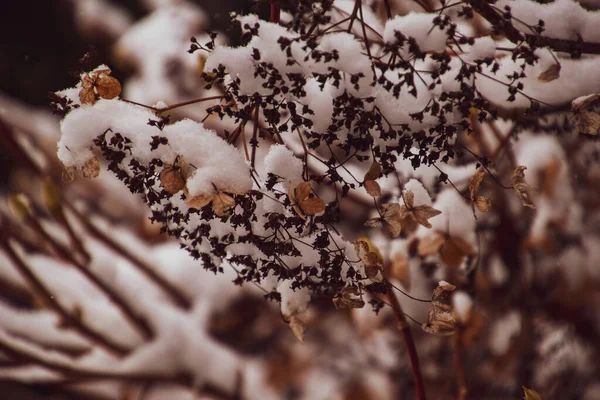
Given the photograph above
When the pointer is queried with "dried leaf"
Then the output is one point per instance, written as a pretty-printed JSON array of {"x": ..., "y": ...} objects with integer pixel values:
[
  {"x": 531, "y": 394},
  {"x": 483, "y": 204},
  {"x": 440, "y": 299},
  {"x": 222, "y": 203},
  {"x": 87, "y": 94},
  {"x": 91, "y": 169},
  {"x": 393, "y": 227},
  {"x": 302, "y": 191},
  {"x": 349, "y": 297},
  {"x": 107, "y": 86},
  {"x": 430, "y": 245},
  {"x": 171, "y": 179},
  {"x": 373, "y": 188},
  {"x": 297, "y": 327},
  {"x": 552, "y": 73},
  {"x": 368, "y": 253},
  {"x": 521, "y": 188},
  {"x": 475, "y": 183},
  {"x": 302, "y": 203},
  {"x": 400, "y": 269},
  {"x": 389, "y": 218},
  {"x": 50, "y": 194},
  {"x": 409, "y": 199},
  {"x": 423, "y": 213}
]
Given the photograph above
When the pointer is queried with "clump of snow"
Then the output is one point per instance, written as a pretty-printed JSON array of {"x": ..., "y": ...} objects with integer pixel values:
[
  {"x": 418, "y": 26},
  {"x": 216, "y": 162},
  {"x": 282, "y": 162},
  {"x": 462, "y": 305}
]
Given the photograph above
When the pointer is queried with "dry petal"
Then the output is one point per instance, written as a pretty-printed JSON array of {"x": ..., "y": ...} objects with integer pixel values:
[
  {"x": 454, "y": 250},
  {"x": 312, "y": 206},
  {"x": 393, "y": 227},
  {"x": 409, "y": 199},
  {"x": 68, "y": 174},
  {"x": 521, "y": 188},
  {"x": 440, "y": 323},
  {"x": 91, "y": 169},
  {"x": 373, "y": 188},
  {"x": 531, "y": 394},
  {"x": 441, "y": 295},
  {"x": 430, "y": 245},
  {"x": 87, "y": 94},
  {"x": 297, "y": 327},
  {"x": 483, "y": 204},
  {"x": 302, "y": 191},
  {"x": 400, "y": 269},
  {"x": 108, "y": 87},
  {"x": 171, "y": 179},
  {"x": 199, "y": 201},
  {"x": 475, "y": 183},
  {"x": 222, "y": 203},
  {"x": 373, "y": 222},
  {"x": 552, "y": 73}
]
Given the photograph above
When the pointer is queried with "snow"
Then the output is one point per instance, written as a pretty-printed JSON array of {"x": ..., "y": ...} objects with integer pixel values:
[{"x": 462, "y": 305}]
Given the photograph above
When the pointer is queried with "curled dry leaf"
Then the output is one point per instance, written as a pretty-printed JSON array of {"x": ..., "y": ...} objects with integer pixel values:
[
  {"x": 350, "y": 297},
  {"x": 91, "y": 169},
  {"x": 371, "y": 186},
  {"x": 303, "y": 201},
  {"x": 552, "y": 73},
  {"x": 584, "y": 114},
  {"x": 370, "y": 257},
  {"x": 475, "y": 183},
  {"x": 197, "y": 202},
  {"x": 107, "y": 86},
  {"x": 390, "y": 219},
  {"x": 451, "y": 249},
  {"x": 421, "y": 214},
  {"x": 521, "y": 188}
]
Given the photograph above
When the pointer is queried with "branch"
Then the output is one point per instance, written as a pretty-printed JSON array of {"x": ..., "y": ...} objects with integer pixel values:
[
  {"x": 573, "y": 47},
  {"x": 409, "y": 343}
]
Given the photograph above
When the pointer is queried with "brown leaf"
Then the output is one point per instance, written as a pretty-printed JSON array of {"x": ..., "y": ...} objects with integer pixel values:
[
  {"x": 430, "y": 245},
  {"x": 222, "y": 203},
  {"x": 549, "y": 175},
  {"x": 475, "y": 183},
  {"x": 302, "y": 191},
  {"x": 552, "y": 73},
  {"x": 393, "y": 227},
  {"x": 409, "y": 199},
  {"x": 454, "y": 250},
  {"x": 483, "y": 204},
  {"x": 171, "y": 179},
  {"x": 312, "y": 206},
  {"x": 107, "y": 86},
  {"x": 91, "y": 169},
  {"x": 440, "y": 299},
  {"x": 373, "y": 188},
  {"x": 389, "y": 219},
  {"x": 521, "y": 188},
  {"x": 297, "y": 327},
  {"x": 374, "y": 172},
  {"x": 87, "y": 94}
]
